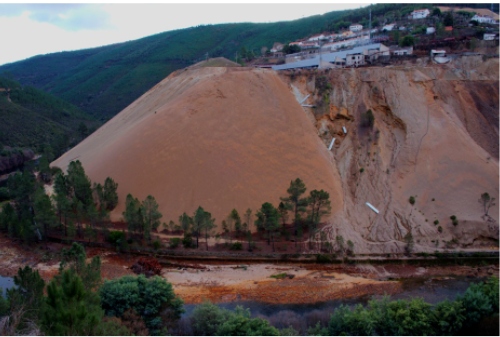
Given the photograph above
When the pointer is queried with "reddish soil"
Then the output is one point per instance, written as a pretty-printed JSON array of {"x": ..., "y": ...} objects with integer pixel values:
[
  {"x": 221, "y": 138},
  {"x": 221, "y": 281}
]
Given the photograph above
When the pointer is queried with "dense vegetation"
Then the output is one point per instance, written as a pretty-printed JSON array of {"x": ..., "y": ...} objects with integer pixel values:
[
  {"x": 103, "y": 81},
  {"x": 33, "y": 119},
  {"x": 77, "y": 302}
]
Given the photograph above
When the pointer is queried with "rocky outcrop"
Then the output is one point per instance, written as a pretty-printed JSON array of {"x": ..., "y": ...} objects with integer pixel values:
[
  {"x": 11, "y": 160},
  {"x": 434, "y": 137}
]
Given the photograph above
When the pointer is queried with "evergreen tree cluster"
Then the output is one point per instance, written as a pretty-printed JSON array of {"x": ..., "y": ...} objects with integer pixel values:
[{"x": 31, "y": 215}]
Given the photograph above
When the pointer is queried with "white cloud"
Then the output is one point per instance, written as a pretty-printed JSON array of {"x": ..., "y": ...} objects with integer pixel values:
[{"x": 34, "y": 29}]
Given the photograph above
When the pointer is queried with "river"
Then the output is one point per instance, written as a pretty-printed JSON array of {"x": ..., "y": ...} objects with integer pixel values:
[
  {"x": 5, "y": 283},
  {"x": 432, "y": 290}
]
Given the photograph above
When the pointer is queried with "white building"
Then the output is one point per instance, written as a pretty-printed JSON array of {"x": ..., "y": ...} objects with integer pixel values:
[
  {"x": 316, "y": 37},
  {"x": 389, "y": 27},
  {"x": 400, "y": 51},
  {"x": 483, "y": 19},
  {"x": 489, "y": 37},
  {"x": 420, "y": 14},
  {"x": 430, "y": 30},
  {"x": 277, "y": 47},
  {"x": 355, "y": 57},
  {"x": 356, "y": 27}
]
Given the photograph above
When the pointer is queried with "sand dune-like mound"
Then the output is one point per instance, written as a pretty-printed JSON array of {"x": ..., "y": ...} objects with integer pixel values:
[{"x": 221, "y": 138}]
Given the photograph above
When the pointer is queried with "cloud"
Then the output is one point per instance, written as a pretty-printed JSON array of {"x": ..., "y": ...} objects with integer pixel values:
[{"x": 72, "y": 17}]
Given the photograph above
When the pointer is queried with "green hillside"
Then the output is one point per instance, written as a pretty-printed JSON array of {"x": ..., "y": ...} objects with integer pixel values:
[
  {"x": 102, "y": 81},
  {"x": 32, "y": 118}
]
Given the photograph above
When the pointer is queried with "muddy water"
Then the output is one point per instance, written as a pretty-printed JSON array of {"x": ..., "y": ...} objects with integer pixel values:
[
  {"x": 432, "y": 290},
  {"x": 5, "y": 283}
]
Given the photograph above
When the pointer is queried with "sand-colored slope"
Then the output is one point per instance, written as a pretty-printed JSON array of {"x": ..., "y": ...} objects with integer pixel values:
[
  {"x": 221, "y": 138},
  {"x": 435, "y": 138}
]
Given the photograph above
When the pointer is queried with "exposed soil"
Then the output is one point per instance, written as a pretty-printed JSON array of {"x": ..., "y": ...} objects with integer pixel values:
[
  {"x": 195, "y": 281},
  {"x": 227, "y": 138}
]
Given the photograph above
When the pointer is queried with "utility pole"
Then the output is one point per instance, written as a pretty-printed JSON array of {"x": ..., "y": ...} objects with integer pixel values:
[{"x": 370, "y": 26}]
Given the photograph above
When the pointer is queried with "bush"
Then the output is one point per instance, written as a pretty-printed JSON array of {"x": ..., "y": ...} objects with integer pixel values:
[
  {"x": 323, "y": 258},
  {"x": 477, "y": 304},
  {"x": 279, "y": 276},
  {"x": 187, "y": 241},
  {"x": 412, "y": 200},
  {"x": 361, "y": 170},
  {"x": 116, "y": 237},
  {"x": 174, "y": 242},
  {"x": 236, "y": 246},
  {"x": 207, "y": 318},
  {"x": 4, "y": 193},
  {"x": 440, "y": 229},
  {"x": 436, "y": 222},
  {"x": 149, "y": 297},
  {"x": 367, "y": 119},
  {"x": 156, "y": 244}
]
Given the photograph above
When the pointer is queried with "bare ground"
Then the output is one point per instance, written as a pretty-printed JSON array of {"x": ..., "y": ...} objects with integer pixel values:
[{"x": 224, "y": 282}]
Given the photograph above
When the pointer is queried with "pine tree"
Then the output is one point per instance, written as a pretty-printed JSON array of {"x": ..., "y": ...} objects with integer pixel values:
[
  {"x": 75, "y": 258},
  {"x": 110, "y": 194},
  {"x": 61, "y": 198},
  {"x": 70, "y": 310},
  {"x": 151, "y": 216},
  {"x": 198, "y": 219},
  {"x": 296, "y": 203},
  {"x": 45, "y": 216},
  {"x": 267, "y": 218},
  {"x": 133, "y": 215}
]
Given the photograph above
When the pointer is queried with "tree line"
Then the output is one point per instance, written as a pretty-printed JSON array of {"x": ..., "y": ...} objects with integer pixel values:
[
  {"x": 78, "y": 302},
  {"x": 79, "y": 209},
  {"x": 74, "y": 209}
]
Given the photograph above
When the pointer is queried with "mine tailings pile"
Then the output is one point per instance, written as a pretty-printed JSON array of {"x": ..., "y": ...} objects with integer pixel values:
[{"x": 227, "y": 138}]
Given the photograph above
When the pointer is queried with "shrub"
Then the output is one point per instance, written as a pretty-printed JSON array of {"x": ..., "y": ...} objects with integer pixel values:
[
  {"x": 367, "y": 119},
  {"x": 236, "y": 246},
  {"x": 453, "y": 217},
  {"x": 4, "y": 193},
  {"x": 187, "y": 241},
  {"x": 361, "y": 170},
  {"x": 207, "y": 318},
  {"x": 174, "y": 242},
  {"x": 412, "y": 200},
  {"x": 116, "y": 237},
  {"x": 436, "y": 222},
  {"x": 440, "y": 229},
  {"x": 156, "y": 244},
  {"x": 149, "y": 297},
  {"x": 323, "y": 258},
  {"x": 279, "y": 276}
]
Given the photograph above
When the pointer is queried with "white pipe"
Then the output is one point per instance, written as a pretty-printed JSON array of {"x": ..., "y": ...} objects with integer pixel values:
[
  {"x": 373, "y": 208},
  {"x": 304, "y": 99},
  {"x": 344, "y": 129},
  {"x": 331, "y": 144}
]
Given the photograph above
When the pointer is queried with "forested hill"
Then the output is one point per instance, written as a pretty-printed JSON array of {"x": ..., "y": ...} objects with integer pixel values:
[
  {"x": 102, "y": 81},
  {"x": 31, "y": 118}
]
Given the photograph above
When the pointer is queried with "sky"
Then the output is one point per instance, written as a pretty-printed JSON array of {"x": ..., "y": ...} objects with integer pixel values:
[{"x": 36, "y": 28}]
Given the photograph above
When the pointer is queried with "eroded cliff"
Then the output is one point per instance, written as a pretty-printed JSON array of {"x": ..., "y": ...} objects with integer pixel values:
[{"x": 434, "y": 137}]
